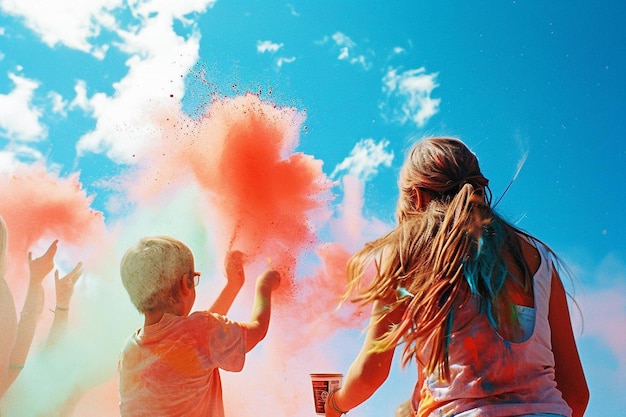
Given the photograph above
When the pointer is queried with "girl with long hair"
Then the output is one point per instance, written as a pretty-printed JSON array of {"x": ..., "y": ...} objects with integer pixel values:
[{"x": 477, "y": 303}]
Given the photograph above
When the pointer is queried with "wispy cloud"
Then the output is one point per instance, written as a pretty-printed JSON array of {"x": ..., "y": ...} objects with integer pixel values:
[
  {"x": 268, "y": 46},
  {"x": 273, "y": 47},
  {"x": 59, "y": 104},
  {"x": 408, "y": 96},
  {"x": 348, "y": 50},
  {"x": 292, "y": 9},
  {"x": 365, "y": 159},
  {"x": 285, "y": 60}
]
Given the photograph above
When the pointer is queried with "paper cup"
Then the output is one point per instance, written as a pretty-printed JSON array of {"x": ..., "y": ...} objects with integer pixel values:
[{"x": 323, "y": 384}]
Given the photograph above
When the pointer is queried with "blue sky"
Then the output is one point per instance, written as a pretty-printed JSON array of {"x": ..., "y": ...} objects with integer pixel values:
[{"x": 517, "y": 81}]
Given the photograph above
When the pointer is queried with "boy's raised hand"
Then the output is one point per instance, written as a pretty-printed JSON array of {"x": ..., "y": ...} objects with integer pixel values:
[
  {"x": 234, "y": 268},
  {"x": 235, "y": 277},
  {"x": 269, "y": 279}
]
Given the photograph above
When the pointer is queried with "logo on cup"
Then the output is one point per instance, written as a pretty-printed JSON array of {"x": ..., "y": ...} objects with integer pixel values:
[{"x": 323, "y": 384}]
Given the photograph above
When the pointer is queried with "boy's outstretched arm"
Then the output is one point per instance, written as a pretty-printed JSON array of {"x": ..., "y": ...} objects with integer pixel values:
[
  {"x": 235, "y": 277},
  {"x": 267, "y": 282}
]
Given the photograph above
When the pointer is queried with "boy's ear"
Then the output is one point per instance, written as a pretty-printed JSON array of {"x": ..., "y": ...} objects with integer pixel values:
[{"x": 184, "y": 283}]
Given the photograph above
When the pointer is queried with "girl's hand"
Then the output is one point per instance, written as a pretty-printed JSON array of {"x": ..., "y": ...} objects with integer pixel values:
[
  {"x": 65, "y": 286},
  {"x": 40, "y": 267},
  {"x": 330, "y": 408}
]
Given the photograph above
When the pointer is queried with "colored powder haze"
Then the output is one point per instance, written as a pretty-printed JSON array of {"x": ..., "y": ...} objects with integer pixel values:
[
  {"x": 229, "y": 180},
  {"x": 106, "y": 135}
]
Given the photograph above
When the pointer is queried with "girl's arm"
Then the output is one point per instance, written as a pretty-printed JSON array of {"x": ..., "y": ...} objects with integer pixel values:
[
  {"x": 368, "y": 371},
  {"x": 64, "y": 288},
  {"x": 33, "y": 306},
  {"x": 569, "y": 375}
]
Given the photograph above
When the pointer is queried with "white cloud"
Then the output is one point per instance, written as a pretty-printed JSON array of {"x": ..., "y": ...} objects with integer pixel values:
[
  {"x": 59, "y": 104},
  {"x": 172, "y": 9},
  {"x": 72, "y": 23},
  {"x": 342, "y": 40},
  {"x": 272, "y": 48},
  {"x": 8, "y": 162},
  {"x": 159, "y": 60},
  {"x": 268, "y": 46},
  {"x": 77, "y": 23},
  {"x": 408, "y": 95},
  {"x": 19, "y": 117},
  {"x": 81, "y": 100},
  {"x": 285, "y": 60},
  {"x": 365, "y": 159},
  {"x": 15, "y": 155},
  {"x": 348, "y": 50}
]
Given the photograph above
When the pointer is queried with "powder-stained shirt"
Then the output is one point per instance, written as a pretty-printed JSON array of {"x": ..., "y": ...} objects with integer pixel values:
[
  {"x": 491, "y": 376},
  {"x": 171, "y": 368}
]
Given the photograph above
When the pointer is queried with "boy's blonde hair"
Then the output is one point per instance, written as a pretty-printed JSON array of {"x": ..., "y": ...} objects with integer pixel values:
[{"x": 152, "y": 269}]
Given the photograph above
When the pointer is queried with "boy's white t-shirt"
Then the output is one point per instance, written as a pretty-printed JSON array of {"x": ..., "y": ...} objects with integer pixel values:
[{"x": 171, "y": 368}]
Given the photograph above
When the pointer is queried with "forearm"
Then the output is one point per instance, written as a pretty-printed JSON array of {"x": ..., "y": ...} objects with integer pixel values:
[
  {"x": 33, "y": 306},
  {"x": 370, "y": 368},
  {"x": 225, "y": 299},
  {"x": 59, "y": 325},
  {"x": 366, "y": 374},
  {"x": 259, "y": 321}
]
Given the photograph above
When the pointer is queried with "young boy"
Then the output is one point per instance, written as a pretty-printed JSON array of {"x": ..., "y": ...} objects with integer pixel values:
[{"x": 170, "y": 367}]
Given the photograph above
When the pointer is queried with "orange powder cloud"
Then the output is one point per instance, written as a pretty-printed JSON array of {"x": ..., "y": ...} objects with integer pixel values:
[
  {"x": 38, "y": 204},
  {"x": 261, "y": 195},
  {"x": 256, "y": 194}
]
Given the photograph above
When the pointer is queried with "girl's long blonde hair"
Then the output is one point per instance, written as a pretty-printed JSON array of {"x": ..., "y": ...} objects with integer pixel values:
[{"x": 439, "y": 253}]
